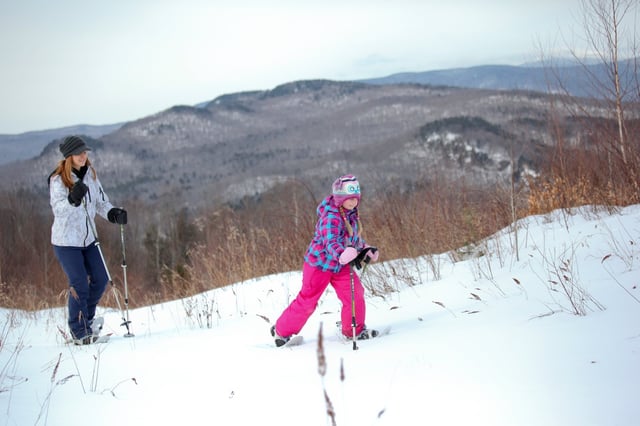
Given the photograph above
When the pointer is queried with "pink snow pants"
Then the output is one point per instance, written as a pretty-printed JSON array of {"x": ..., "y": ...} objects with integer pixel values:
[{"x": 314, "y": 283}]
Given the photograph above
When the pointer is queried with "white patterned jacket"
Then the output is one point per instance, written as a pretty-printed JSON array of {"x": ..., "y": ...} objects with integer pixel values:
[{"x": 74, "y": 226}]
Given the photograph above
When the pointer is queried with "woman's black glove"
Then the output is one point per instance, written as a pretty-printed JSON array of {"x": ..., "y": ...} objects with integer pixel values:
[
  {"x": 117, "y": 215},
  {"x": 77, "y": 191}
]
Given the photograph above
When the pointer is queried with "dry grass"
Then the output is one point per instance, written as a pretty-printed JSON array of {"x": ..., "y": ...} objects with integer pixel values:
[
  {"x": 270, "y": 236},
  {"x": 172, "y": 255}
]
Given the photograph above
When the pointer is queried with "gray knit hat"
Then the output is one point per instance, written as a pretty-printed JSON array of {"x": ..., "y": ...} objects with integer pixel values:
[{"x": 73, "y": 145}]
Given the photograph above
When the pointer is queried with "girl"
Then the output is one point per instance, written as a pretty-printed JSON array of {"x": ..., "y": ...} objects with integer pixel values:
[
  {"x": 76, "y": 195},
  {"x": 335, "y": 244}
]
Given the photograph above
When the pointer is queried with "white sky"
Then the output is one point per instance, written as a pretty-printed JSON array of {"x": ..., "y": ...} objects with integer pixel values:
[{"x": 69, "y": 62}]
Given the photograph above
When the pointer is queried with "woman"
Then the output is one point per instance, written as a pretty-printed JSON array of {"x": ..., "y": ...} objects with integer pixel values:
[
  {"x": 76, "y": 195},
  {"x": 336, "y": 243}
]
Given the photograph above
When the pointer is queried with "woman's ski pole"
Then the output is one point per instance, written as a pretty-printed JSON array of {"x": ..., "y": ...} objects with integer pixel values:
[
  {"x": 126, "y": 287},
  {"x": 113, "y": 286}
]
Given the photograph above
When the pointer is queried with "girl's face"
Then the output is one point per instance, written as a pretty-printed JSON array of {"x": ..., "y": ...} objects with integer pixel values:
[
  {"x": 350, "y": 204},
  {"x": 79, "y": 160}
]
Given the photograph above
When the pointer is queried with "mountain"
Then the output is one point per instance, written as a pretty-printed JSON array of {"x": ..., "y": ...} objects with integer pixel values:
[
  {"x": 501, "y": 77},
  {"x": 538, "y": 77},
  {"x": 27, "y": 145},
  {"x": 562, "y": 76},
  {"x": 245, "y": 143}
]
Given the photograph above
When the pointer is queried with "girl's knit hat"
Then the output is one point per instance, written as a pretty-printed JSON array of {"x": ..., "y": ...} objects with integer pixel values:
[{"x": 344, "y": 188}]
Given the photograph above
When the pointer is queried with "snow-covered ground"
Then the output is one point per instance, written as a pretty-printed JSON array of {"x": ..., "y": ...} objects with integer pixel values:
[{"x": 490, "y": 340}]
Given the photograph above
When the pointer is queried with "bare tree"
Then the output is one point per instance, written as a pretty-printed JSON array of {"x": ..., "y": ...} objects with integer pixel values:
[
  {"x": 612, "y": 86},
  {"x": 603, "y": 24}
]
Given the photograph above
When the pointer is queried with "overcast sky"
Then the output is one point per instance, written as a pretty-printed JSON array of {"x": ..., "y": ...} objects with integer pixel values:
[{"x": 66, "y": 62}]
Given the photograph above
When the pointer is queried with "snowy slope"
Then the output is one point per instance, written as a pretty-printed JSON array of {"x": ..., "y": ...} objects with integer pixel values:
[{"x": 491, "y": 340}]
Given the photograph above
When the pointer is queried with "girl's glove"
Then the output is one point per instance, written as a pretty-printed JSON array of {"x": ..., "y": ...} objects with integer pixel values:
[
  {"x": 366, "y": 255},
  {"x": 373, "y": 253},
  {"x": 348, "y": 255}
]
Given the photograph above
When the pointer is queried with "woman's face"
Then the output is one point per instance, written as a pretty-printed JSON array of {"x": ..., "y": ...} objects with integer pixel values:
[
  {"x": 79, "y": 160},
  {"x": 350, "y": 204}
]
